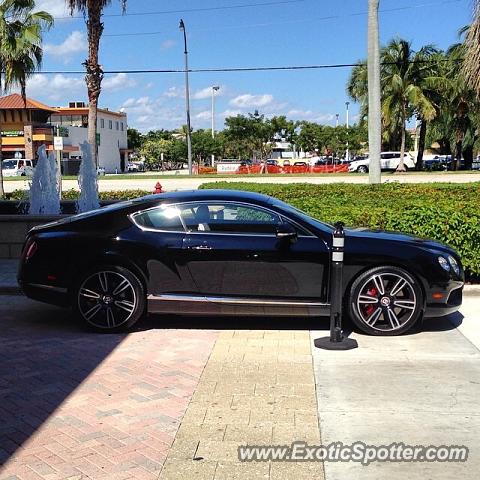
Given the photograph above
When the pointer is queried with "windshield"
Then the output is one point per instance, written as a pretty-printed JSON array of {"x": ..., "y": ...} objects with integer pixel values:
[{"x": 9, "y": 164}]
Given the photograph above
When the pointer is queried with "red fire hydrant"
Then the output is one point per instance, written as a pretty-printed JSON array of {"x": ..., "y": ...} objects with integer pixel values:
[{"x": 158, "y": 188}]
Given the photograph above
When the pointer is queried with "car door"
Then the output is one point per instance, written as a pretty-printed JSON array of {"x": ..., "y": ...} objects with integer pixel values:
[
  {"x": 233, "y": 251},
  {"x": 161, "y": 235}
]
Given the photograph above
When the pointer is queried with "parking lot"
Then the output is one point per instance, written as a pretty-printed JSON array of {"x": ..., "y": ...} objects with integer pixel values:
[{"x": 176, "y": 397}]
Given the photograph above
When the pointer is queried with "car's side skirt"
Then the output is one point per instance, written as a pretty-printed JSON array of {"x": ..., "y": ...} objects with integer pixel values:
[{"x": 215, "y": 305}]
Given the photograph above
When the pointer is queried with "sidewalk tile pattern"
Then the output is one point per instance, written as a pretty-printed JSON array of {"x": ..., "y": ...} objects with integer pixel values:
[
  {"x": 257, "y": 388},
  {"x": 79, "y": 405}
]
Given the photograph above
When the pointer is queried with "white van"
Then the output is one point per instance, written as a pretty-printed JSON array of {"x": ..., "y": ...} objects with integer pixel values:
[
  {"x": 388, "y": 161},
  {"x": 17, "y": 167}
]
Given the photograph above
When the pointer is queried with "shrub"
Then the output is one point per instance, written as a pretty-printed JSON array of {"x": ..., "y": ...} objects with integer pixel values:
[{"x": 449, "y": 213}]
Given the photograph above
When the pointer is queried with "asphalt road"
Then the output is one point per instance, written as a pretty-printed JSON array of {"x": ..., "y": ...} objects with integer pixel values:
[{"x": 190, "y": 183}]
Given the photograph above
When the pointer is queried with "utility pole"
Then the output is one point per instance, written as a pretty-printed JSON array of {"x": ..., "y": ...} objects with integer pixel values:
[
  {"x": 187, "y": 99},
  {"x": 374, "y": 94},
  {"x": 347, "y": 154},
  {"x": 214, "y": 89},
  {"x": 337, "y": 115}
]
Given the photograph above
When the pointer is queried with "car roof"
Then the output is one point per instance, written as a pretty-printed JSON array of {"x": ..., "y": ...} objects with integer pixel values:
[{"x": 209, "y": 194}]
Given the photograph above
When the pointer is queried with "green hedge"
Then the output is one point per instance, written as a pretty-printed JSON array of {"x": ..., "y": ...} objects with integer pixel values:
[
  {"x": 74, "y": 194},
  {"x": 449, "y": 213}
]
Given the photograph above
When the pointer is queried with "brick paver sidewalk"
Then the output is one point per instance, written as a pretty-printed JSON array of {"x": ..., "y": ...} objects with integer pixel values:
[
  {"x": 258, "y": 389},
  {"x": 79, "y": 405}
]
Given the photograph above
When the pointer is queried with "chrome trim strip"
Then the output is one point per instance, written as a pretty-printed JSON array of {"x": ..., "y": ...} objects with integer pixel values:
[
  {"x": 47, "y": 287},
  {"x": 234, "y": 301}
]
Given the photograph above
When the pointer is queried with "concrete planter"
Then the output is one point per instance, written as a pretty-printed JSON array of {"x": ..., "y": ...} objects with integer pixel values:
[{"x": 14, "y": 228}]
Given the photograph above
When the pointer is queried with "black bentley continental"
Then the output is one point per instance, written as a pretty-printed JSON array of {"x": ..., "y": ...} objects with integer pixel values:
[{"x": 225, "y": 252}]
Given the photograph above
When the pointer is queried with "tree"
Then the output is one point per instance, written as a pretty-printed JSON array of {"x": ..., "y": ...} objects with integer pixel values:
[
  {"x": 401, "y": 85},
  {"x": 134, "y": 139},
  {"x": 471, "y": 64},
  {"x": 374, "y": 93},
  {"x": 204, "y": 146},
  {"x": 410, "y": 85},
  {"x": 93, "y": 9},
  {"x": 21, "y": 53}
]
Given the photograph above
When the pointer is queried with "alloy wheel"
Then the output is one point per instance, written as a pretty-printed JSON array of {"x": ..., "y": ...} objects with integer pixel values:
[
  {"x": 107, "y": 299},
  {"x": 386, "y": 302}
]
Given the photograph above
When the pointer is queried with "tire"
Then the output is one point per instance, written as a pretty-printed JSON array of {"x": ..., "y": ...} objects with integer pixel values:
[
  {"x": 109, "y": 299},
  {"x": 372, "y": 294},
  {"x": 362, "y": 169}
]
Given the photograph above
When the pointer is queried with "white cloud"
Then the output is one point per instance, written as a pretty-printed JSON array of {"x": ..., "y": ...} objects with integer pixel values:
[
  {"x": 247, "y": 100},
  {"x": 167, "y": 44},
  {"x": 57, "y": 8},
  {"x": 205, "y": 115},
  {"x": 206, "y": 93},
  {"x": 173, "y": 92},
  {"x": 118, "y": 82},
  {"x": 76, "y": 42},
  {"x": 310, "y": 115},
  {"x": 57, "y": 88}
]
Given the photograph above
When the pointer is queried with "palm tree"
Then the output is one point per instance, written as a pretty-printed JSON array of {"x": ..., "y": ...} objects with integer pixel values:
[
  {"x": 21, "y": 53},
  {"x": 93, "y": 10},
  {"x": 472, "y": 58},
  {"x": 402, "y": 72},
  {"x": 374, "y": 93},
  {"x": 409, "y": 86},
  {"x": 461, "y": 102}
]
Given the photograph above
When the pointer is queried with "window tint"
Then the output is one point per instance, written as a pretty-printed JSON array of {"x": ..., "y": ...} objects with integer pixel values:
[
  {"x": 232, "y": 218},
  {"x": 166, "y": 217}
]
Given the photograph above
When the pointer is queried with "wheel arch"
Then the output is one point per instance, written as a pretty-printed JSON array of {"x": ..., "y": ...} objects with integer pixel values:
[
  {"x": 110, "y": 258},
  {"x": 408, "y": 269}
]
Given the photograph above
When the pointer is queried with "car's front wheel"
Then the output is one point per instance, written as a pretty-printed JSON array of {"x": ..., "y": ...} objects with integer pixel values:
[
  {"x": 110, "y": 299},
  {"x": 385, "y": 301},
  {"x": 362, "y": 169}
]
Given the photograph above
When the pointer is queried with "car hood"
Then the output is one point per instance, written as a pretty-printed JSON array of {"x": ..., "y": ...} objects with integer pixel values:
[{"x": 382, "y": 236}]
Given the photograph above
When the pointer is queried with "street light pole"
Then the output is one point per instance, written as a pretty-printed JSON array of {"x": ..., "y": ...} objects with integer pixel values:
[
  {"x": 336, "y": 136},
  {"x": 214, "y": 89},
  {"x": 187, "y": 100},
  {"x": 347, "y": 154}
]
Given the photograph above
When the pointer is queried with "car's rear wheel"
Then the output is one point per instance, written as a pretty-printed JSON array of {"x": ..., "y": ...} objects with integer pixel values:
[
  {"x": 109, "y": 299},
  {"x": 362, "y": 169},
  {"x": 385, "y": 301}
]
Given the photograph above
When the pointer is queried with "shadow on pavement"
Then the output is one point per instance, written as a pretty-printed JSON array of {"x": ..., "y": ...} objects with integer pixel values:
[{"x": 44, "y": 357}]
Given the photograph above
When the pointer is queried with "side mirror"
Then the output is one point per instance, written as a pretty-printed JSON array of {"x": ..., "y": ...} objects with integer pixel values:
[{"x": 286, "y": 233}]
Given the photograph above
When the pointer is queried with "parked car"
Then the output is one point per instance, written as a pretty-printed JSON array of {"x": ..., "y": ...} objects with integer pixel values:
[
  {"x": 388, "y": 161},
  {"x": 226, "y": 252},
  {"x": 17, "y": 167}
]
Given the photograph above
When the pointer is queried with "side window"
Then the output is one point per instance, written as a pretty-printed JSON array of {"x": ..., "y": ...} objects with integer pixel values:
[
  {"x": 230, "y": 218},
  {"x": 165, "y": 218}
]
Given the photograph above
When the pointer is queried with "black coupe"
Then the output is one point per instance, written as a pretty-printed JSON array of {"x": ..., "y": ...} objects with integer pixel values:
[{"x": 223, "y": 252}]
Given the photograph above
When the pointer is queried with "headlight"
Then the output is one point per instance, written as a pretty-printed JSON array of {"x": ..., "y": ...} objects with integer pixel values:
[
  {"x": 444, "y": 263},
  {"x": 454, "y": 265}
]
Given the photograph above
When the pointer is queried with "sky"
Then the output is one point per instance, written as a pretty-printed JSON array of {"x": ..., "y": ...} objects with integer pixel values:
[{"x": 226, "y": 34}]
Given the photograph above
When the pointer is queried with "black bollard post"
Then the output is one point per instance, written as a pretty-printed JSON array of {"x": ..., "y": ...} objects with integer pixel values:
[{"x": 336, "y": 340}]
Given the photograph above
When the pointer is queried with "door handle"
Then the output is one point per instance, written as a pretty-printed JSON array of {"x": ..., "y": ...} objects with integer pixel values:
[{"x": 200, "y": 247}]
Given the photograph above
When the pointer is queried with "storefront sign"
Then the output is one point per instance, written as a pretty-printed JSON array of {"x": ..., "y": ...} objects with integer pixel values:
[{"x": 12, "y": 133}]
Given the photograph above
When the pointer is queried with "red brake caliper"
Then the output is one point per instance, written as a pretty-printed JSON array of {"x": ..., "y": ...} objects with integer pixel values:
[{"x": 372, "y": 292}]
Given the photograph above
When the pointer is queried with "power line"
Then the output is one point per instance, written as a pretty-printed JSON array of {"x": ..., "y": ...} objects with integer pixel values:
[
  {"x": 310, "y": 19},
  {"x": 237, "y": 69},
  {"x": 189, "y": 10}
]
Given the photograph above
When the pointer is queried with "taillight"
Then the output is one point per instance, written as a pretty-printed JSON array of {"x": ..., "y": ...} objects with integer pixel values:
[{"x": 31, "y": 250}]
